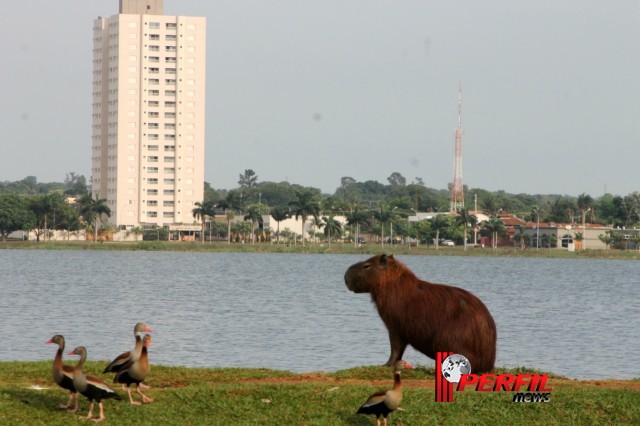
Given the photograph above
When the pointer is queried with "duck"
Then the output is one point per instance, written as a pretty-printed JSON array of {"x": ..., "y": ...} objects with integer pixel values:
[
  {"x": 91, "y": 387},
  {"x": 116, "y": 365},
  {"x": 135, "y": 372},
  {"x": 386, "y": 401},
  {"x": 63, "y": 374}
]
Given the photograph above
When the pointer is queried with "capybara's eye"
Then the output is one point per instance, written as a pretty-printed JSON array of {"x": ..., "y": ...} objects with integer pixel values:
[{"x": 366, "y": 266}]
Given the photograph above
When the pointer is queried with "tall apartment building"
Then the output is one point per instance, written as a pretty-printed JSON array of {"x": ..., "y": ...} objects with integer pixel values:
[{"x": 148, "y": 115}]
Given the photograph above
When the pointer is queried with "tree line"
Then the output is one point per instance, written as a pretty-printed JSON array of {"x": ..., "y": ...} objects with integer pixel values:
[{"x": 371, "y": 208}]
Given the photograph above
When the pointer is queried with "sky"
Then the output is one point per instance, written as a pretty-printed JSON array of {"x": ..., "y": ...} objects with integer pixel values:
[{"x": 310, "y": 91}]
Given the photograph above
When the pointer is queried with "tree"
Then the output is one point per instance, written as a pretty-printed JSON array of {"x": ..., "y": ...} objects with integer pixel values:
[
  {"x": 317, "y": 223},
  {"x": 303, "y": 206},
  {"x": 357, "y": 218},
  {"x": 136, "y": 231},
  {"x": 247, "y": 180},
  {"x": 494, "y": 226},
  {"x": 396, "y": 179},
  {"x": 331, "y": 227},
  {"x": 14, "y": 215},
  {"x": 43, "y": 207},
  {"x": 201, "y": 211},
  {"x": 466, "y": 219},
  {"x": 279, "y": 214},
  {"x": 92, "y": 211},
  {"x": 254, "y": 215},
  {"x": 439, "y": 223},
  {"x": 75, "y": 185}
]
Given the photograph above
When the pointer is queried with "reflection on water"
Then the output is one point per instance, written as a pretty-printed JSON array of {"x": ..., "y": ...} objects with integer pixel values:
[{"x": 577, "y": 318}]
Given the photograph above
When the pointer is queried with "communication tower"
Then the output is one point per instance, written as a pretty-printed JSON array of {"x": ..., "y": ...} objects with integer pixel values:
[{"x": 457, "y": 188}]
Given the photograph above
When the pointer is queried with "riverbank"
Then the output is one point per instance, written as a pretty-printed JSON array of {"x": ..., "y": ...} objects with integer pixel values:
[
  {"x": 334, "y": 248},
  {"x": 226, "y": 396}
]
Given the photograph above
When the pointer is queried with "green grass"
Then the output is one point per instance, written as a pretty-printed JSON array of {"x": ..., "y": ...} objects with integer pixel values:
[{"x": 190, "y": 396}]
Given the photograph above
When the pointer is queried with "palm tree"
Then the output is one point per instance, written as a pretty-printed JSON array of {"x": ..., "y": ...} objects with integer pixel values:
[
  {"x": 439, "y": 223},
  {"x": 201, "y": 211},
  {"x": 136, "y": 231},
  {"x": 384, "y": 215},
  {"x": 279, "y": 214},
  {"x": 466, "y": 220},
  {"x": 92, "y": 211},
  {"x": 254, "y": 215},
  {"x": 331, "y": 227},
  {"x": 317, "y": 223},
  {"x": 303, "y": 206},
  {"x": 494, "y": 226},
  {"x": 357, "y": 218}
]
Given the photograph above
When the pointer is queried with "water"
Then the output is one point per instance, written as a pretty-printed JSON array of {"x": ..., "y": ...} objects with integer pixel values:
[{"x": 577, "y": 318}]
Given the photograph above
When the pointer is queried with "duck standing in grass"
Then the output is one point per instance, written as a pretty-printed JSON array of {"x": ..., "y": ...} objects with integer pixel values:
[
  {"x": 93, "y": 388},
  {"x": 384, "y": 402},
  {"x": 63, "y": 374},
  {"x": 132, "y": 355},
  {"x": 136, "y": 371}
]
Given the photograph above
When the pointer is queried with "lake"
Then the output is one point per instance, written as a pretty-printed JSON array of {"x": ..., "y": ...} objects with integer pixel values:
[{"x": 577, "y": 318}]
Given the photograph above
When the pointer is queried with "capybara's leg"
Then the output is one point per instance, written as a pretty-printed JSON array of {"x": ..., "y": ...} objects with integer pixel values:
[{"x": 397, "y": 349}]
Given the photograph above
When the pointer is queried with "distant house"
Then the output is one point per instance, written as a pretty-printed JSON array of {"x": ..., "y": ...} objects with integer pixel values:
[{"x": 559, "y": 235}]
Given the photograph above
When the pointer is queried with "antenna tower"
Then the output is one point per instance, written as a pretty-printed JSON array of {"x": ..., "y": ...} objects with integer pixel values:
[{"x": 457, "y": 188}]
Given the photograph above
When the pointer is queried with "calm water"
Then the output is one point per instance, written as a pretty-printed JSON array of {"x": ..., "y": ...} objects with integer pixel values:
[{"x": 578, "y": 318}]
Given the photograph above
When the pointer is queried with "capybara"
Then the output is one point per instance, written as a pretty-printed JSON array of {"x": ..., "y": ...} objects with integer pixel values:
[{"x": 430, "y": 317}]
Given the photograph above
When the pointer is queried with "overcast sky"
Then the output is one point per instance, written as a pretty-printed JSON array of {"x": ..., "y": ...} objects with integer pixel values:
[{"x": 310, "y": 91}]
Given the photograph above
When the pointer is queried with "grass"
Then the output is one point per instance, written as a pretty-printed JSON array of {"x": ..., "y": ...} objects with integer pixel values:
[
  {"x": 335, "y": 248},
  {"x": 195, "y": 396}
]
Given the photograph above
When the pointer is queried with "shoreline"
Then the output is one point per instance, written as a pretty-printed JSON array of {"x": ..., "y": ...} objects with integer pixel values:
[{"x": 317, "y": 248}]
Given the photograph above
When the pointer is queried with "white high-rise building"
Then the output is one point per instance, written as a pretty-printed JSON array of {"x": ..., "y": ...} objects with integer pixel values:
[{"x": 149, "y": 115}]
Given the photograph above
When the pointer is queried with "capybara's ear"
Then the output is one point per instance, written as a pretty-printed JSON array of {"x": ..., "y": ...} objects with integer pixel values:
[
  {"x": 383, "y": 259},
  {"x": 390, "y": 256}
]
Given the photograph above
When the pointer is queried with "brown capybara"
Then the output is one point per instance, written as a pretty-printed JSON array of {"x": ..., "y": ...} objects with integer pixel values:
[{"x": 430, "y": 317}]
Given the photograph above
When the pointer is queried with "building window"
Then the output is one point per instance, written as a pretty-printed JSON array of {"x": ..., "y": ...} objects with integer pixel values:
[
  {"x": 168, "y": 192},
  {"x": 153, "y": 137},
  {"x": 169, "y": 92},
  {"x": 154, "y": 103},
  {"x": 154, "y": 36},
  {"x": 154, "y": 93},
  {"x": 154, "y": 48},
  {"x": 170, "y": 104},
  {"x": 170, "y": 81},
  {"x": 154, "y": 25},
  {"x": 152, "y": 181},
  {"x": 152, "y": 203},
  {"x": 169, "y": 181},
  {"x": 152, "y": 214},
  {"x": 170, "y": 37},
  {"x": 153, "y": 159},
  {"x": 154, "y": 70},
  {"x": 171, "y": 26},
  {"x": 152, "y": 192},
  {"x": 170, "y": 70}
]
